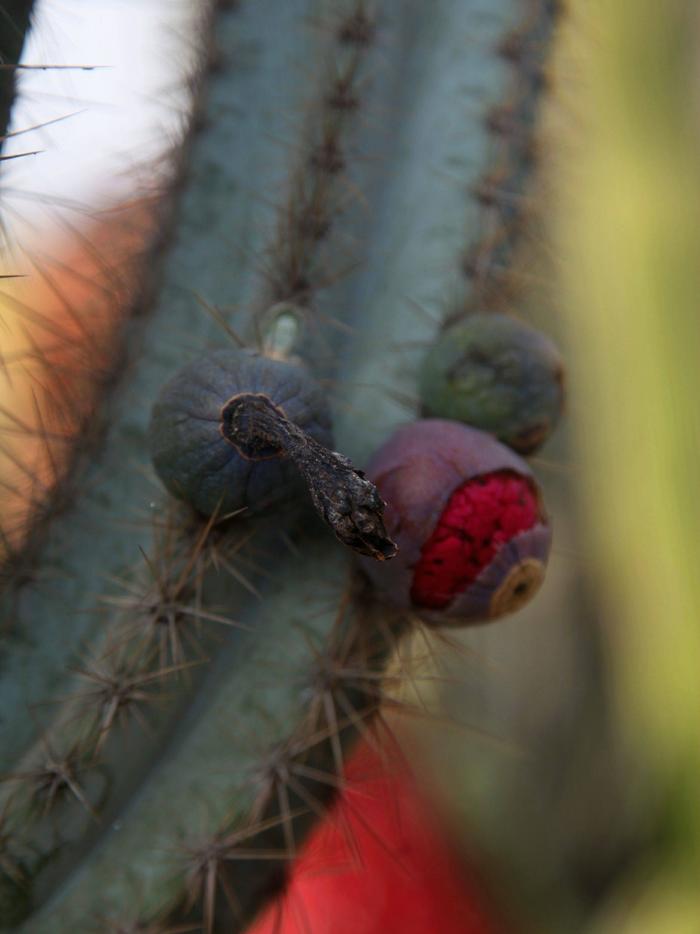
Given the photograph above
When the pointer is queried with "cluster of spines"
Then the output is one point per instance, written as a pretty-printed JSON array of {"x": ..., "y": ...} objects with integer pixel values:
[
  {"x": 143, "y": 643},
  {"x": 152, "y": 639},
  {"x": 297, "y": 780},
  {"x": 46, "y": 460},
  {"x": 502, "y": 191},
  {"x": 318, "y": 192}
]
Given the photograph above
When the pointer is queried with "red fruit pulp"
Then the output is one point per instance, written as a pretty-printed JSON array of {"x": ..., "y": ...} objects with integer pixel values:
[{"x": 481, "y": 516}]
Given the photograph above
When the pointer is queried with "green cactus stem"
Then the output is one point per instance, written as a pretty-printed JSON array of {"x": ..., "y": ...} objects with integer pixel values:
[{"x": 485, "y": 367}]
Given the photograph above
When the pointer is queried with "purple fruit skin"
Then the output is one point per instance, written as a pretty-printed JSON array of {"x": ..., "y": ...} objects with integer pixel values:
[
  {"x": 416, "y": 471},
  {"x": 473, "y": 604}
]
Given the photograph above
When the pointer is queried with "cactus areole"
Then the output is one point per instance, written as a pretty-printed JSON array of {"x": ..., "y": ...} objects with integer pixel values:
[
  {"x": 238, "y": 430},
  {"x": 467, "y": 515}
]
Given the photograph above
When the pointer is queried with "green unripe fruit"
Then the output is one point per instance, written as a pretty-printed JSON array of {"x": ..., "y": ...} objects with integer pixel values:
[
  {"x": 189, "y": 447},
  {"x": 497, "y": 374},
  {"x": 237, "y": 430}
]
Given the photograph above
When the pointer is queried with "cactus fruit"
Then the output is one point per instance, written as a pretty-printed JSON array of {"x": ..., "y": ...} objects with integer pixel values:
[
  {"x": 190, "y": 452},
  {"x": 237, "y": 430},
  {"x": 497, "y": 374},
  {"x": 467, "y": 515}
]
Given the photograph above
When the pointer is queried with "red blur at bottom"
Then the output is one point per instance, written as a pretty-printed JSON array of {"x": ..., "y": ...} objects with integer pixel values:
[{"x": 377, "y": 865}]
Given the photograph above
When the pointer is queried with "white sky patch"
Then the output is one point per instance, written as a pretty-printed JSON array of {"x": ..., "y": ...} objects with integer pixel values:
[{"x": 119, "y": 118}]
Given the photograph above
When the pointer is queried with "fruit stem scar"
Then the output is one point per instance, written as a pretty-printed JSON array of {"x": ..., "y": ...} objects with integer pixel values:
[{"x": 348, "y": 502}]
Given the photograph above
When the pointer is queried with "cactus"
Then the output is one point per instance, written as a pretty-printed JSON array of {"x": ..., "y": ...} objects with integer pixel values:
[
  {"x": 186, "y": 685},
  {"x": 472, "y": 535},
  {"x": 189, "y": 420}
]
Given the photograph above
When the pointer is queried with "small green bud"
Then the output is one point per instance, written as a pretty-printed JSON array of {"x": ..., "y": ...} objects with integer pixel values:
[{"x": 498, "y": 374}]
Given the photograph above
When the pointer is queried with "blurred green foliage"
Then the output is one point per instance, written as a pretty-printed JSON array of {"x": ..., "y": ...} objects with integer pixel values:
[{"x": 627, "y": 230}]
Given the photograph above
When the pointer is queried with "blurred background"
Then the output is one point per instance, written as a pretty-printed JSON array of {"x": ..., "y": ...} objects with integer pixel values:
[{"x": 562, "y": 745}]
